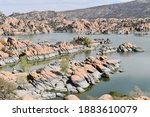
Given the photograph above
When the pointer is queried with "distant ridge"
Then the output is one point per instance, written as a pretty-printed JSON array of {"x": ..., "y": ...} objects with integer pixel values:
[
  {"x": 36, "y": 15},
  {"x": 136, "y": 9},
  {"x": 132, "y": 9}
]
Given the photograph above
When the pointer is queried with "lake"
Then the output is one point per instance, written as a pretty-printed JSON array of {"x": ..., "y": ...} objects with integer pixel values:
[{"x": 136, "y": 65}]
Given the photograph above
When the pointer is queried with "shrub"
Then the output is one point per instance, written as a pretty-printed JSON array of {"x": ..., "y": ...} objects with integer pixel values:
[
  {"x": 7, "y": 90},
  {"x": 87, "y": 41},
  {"x": 24, "y": 64},
  {"x": 64, "y": 65},
  {"x": 81, "y": 41},
  {"x": 22, "y": 81}
]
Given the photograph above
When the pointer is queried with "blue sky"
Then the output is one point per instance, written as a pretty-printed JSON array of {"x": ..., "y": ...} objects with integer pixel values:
[{"x": 9, "y": 6}]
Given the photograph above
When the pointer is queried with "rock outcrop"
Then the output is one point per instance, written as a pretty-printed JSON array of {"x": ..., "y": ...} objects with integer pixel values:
[
  {"x": 26, "y": 97},
  {"x": 46, "y": 50},
  {"x": 141, "y": 98},
  {"x": 19, "y": 25},
  {"x": 10, "y": 49},
  {"x": 12, "y": 77},
  {"x": 102, "y": 25},
  {"x": 109, "y": 97},
  {"x": 129, "y": 47},
  {"x": 106, "y": 97},
  {"x": 71, "y": 97},
  {"x": 76, "y": 79},
  {"x": 14, "y": 26},
  {"x": 106, "y": 49}
]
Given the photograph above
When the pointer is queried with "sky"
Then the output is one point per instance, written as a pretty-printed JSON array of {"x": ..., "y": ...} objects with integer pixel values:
[{"x": 10, "y": 6}]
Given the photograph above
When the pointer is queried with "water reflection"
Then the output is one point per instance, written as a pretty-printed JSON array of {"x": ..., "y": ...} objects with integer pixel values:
[
  {"x": 103, "y": 79},
  {"x": 88, "y": 53}
]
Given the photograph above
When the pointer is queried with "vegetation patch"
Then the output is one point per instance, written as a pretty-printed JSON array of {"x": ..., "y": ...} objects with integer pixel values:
[
  {"x": 64, "y": 64},
  {"x": 7, "y": 90}
]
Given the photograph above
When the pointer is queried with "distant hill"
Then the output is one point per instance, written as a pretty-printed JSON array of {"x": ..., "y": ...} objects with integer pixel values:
[
  {"x": 133, "y": 9},
  {"x": 35, "y": 15},
  {"x": 137, "y": 9}
]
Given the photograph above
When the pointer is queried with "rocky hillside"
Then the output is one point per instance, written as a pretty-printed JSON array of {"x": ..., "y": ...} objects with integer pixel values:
[
  {"x": 35, "y": 15},
  {"x": 137, "y": 9}
]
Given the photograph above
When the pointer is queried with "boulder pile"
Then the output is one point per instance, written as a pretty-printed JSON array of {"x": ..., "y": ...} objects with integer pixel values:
[
  {"x": 35, "y": 23},
  {"x": 141, "y": 98},
  {"x": 40, "y": 52},
  {"x": 14, "y": 26},
  {"x": 78, "y": 76},
  {"x": 107, "y": 49},
  {"x": 46, "y": 50},
  {"x": 10, "y": 49},
  {"x": 129, "y": 47},
  {"x": 12, "y": 77}
]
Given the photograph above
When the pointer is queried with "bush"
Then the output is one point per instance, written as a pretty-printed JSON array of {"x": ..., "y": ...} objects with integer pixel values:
[
  {"x": 24, "y": 64},
  {"x": 87, "y": 41},
  {"x": 64, "y": 65},
  {"x": 6, "y": 90},
  {"x": 22, "y": 81},
  {"x": 81, "y": 41}
]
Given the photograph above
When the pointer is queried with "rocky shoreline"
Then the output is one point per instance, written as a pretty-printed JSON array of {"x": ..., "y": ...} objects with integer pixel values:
[
  {"x": 44, "y": 50},
  {"x": 8, "y": 60},
  {"x": 23, "y": 26},
  {"x": 109, "y": 97},
  {"x": 51, "y": 81}
]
